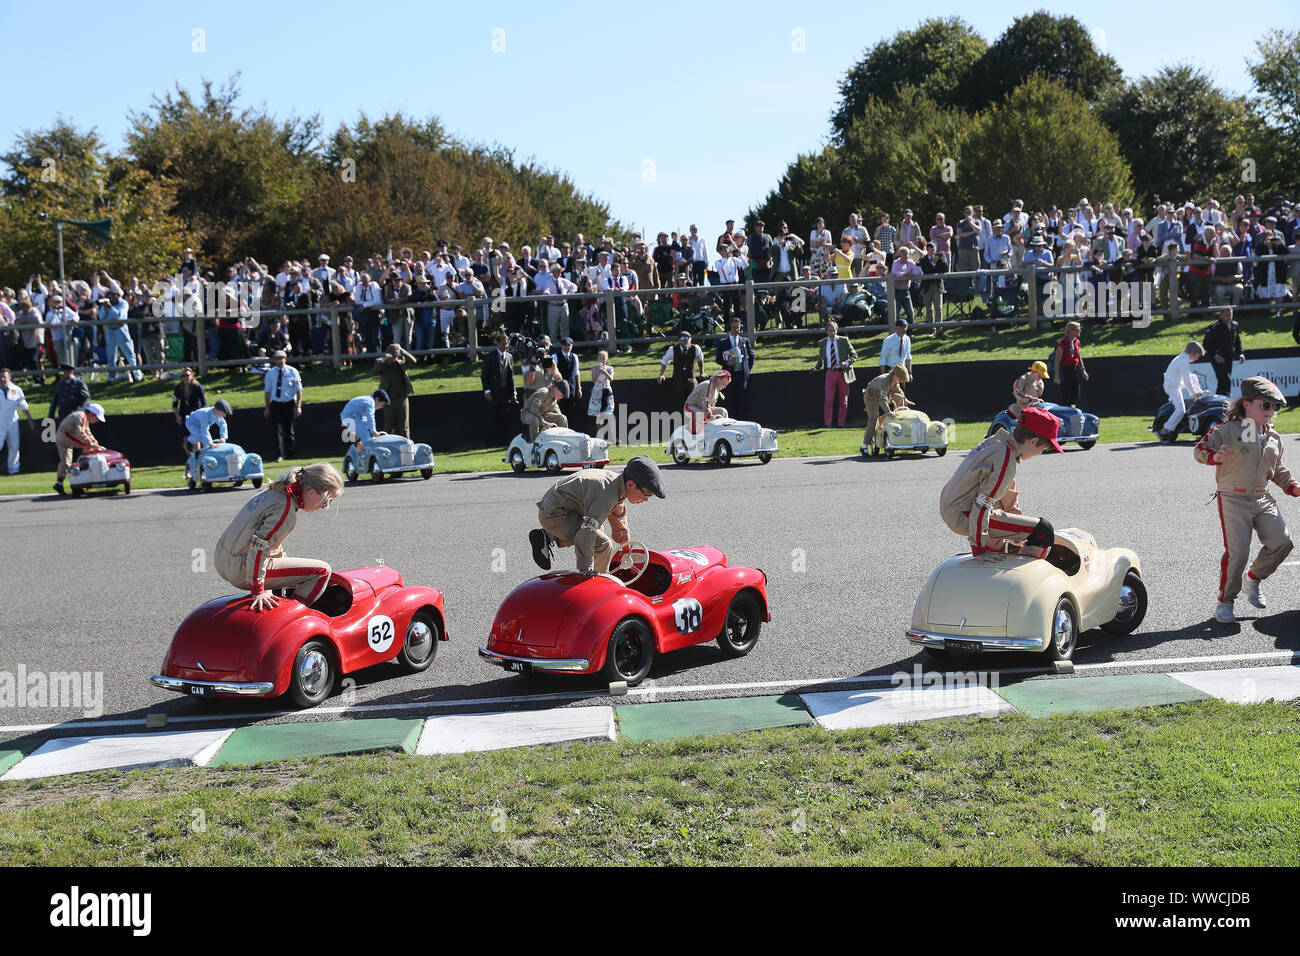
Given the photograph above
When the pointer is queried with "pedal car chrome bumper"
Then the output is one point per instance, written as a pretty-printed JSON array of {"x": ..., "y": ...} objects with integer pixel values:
[
  {"x": 535, "y": 663},
  {"x": 926, "y": 639},
  {"x": 178, "y": 685}
]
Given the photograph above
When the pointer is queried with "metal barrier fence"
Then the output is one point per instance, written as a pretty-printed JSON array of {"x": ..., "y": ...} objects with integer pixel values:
[{"x": 747, "y": 300}]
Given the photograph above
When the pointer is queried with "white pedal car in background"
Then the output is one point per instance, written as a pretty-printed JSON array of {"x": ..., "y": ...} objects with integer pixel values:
[
  {"x": 102, "y": 469},
  {"x": 722, "y": 439},
  {"x": 387, "y": 454},
  {"x": 224, "y": 463},
  {"x": 557, "y": 448}
]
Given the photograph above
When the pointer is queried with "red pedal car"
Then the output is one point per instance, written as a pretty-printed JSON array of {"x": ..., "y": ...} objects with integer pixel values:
[
  {"x": 657, "y": 601},
  {"x": 101, "y": 469},
  {"x": 364, "y": 617}
]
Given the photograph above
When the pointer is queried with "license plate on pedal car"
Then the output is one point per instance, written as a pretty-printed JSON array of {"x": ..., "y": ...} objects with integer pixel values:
[
  {"x": 966, "y": 647},
  {"x": 198, "y": 690},
  {"x": 519, "y": 667}
]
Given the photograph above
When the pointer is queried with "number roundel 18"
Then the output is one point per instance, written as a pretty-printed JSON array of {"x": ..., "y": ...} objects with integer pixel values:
[
  {"x": 688, "y": 614},
  {"x": 380, "y": 633}
]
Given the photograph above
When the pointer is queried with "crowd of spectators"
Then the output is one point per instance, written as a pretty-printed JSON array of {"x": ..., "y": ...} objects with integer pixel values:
[{"x": 426, "y": 300}]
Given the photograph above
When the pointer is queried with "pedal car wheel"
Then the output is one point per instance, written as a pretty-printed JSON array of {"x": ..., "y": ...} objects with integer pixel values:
[
  {"x": 239, "y": 483},
  {"x": 889, "y": 452},
  {"x": 375, "y": 474},
  {"x": 552, "y": 462},
  {"x": 722, "y": 453},
  {"x": 631, "y": 652},
  {"x": 1085, "y": 445},
  {"x": 126, "y": 487},
  {"x": 257, "y": 482},
  {"x": 941, "y": 450},
  {"x": 1063, "y": 631},
  {"x": 190, "y": 483},
  {"x": 426, "y": 473},
  {"x": 205, "y": 485},
  {"x": 740, "y": 630},
  {"x": 1132, "y": 606},
  {"x": 680, "y": 454},
  {"x": 77, "y": 492},
  {"x": 312, "y": 677},
  {"x": 764, "y": 457},
  {"x": 421, "y": 644},
  {"x": 517, "y": 463},
  {"x": 349, "y": 470}
]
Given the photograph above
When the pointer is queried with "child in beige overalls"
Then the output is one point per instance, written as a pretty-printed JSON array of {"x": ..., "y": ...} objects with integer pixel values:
[{"x": 1247, "y": 455}]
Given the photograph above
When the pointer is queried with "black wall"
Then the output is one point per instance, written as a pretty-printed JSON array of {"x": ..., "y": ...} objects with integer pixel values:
[{"x": 1128, "y": 385}]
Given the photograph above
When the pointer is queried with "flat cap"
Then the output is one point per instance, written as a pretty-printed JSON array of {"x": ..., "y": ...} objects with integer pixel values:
[
  {"x": 1257, "y": 386},
  {"x": 645, "y": 473}
]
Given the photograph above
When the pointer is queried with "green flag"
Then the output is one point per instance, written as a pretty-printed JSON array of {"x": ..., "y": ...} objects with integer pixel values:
[{"x": 100, "y": 227}]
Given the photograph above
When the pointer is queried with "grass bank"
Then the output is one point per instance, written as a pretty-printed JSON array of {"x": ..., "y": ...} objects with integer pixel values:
[{"x": 1201, "y": 784}]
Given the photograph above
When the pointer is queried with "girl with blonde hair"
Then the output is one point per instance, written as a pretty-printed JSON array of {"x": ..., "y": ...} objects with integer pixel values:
[{"x": 250, "y": 555}]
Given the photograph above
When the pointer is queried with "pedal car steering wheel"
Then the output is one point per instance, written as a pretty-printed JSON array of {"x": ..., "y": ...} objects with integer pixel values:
[{"x": 627, "y": 560}]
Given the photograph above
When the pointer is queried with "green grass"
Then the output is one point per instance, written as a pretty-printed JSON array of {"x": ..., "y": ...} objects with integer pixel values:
[
  {"x": 800, "y": 443},
  {"x": 960, "y": 345},
  {"x": 1198, "y": 784}
]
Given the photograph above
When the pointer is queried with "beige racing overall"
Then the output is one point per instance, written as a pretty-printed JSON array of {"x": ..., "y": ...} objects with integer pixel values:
[
  {"x": 576, "y": 507},
  {"x": 980, "y": 499},
  {"x": 1244, "y": 501}
]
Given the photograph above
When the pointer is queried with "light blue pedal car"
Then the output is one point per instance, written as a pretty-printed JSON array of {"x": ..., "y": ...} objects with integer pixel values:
[
  {"x": 387, "y": 455},
  {"x": 226, "y": 463}
]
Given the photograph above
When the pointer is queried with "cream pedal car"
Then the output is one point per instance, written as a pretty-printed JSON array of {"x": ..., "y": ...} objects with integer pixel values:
[
  {"x": 722, "y": 439},
  {"x": 1007, "y": 602},
  {"x": 557, "y": 448},
  {"x": 910, "y": 430},
  {"x": 102, "y": 469}
]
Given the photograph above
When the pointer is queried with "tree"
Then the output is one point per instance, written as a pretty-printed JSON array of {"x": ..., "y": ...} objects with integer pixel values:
[
  {"x": 1042, "y": 144},
  {"x": 1273, "y": 133},
  {"x": 892, "y": 157},
  {"x": 1176, "y": 131},
  {"x": 566, "y": 210},
  {"x": 1058, "y": 48},
  {"x": 934, "y": 57},
  {"x": 237, "y": 174},
  {"x": 82, "y": 183}
]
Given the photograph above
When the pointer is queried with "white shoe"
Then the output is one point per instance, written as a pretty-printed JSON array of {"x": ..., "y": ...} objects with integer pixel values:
[
  {"x": 1223, "y": 613},
  {"x": 1252, "y": 593}
]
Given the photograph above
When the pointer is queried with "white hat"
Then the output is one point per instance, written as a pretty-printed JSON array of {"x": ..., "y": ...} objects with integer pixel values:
[
  {"x": 97, "y": 410},
  {"x": 323, "y": 256}
]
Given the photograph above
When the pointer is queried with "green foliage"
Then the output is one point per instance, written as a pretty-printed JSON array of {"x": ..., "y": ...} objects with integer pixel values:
[
  {"x": 567, "y": 211},
  {"x": 1273, "y": 133},
  {"x": 1041, "y": 144},
  {"x": 83, "y": 183},
  {"x": 1177, "y": 131},
  {"x": 1058, "y": 48},
  {"x": 238, "y": 175},
  {"x": 934, "y": 58}
]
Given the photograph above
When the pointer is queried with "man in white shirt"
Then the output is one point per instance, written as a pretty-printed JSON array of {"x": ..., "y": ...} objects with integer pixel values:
[
  {"x": 458, "y": 261},
  {"x": 12, "y": 403},
  {"x": 557, "y": 313},
  {"x": 324, "y": 273},
  {"x": 996, "y": 248},
  {"x": 282, "y": 401},
  {"x": 369, "y": 297},
  {"x": 700, "y": 262},
  {"x": 1014, "y": 224},
  {"x": 1179, "y": 377},
  {"x": 858, "y": 234},
  {"x": 897, "y": 348}
]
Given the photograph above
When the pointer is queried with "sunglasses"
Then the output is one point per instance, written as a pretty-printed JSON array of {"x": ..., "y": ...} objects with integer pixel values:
[{"x": 1271, "y": 406}]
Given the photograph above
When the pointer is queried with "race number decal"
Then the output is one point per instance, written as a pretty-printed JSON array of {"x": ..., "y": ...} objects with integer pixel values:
[
  {"x": 692, "y": 556},
  {"x": 380, "y": 633},
  {"x": 688, "y": 614}
]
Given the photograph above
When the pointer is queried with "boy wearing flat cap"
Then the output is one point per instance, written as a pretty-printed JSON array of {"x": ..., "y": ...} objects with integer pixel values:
[
  {"x": 883, "y": 394},
  {"x": 981, "y": 500},
  {"x": 573, "y": 512},
  {"x": 1247, "y": 454}
]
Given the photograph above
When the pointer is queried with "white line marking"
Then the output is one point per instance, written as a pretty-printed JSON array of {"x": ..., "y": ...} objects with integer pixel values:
[{"x": 637, "y": 692}]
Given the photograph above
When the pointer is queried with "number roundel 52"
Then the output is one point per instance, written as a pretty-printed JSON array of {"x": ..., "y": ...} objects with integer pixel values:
[{"x": 380, "y": 632}]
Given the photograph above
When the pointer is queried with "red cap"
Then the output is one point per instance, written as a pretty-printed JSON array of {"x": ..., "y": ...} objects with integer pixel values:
[{"x": 1042, "y": 423}]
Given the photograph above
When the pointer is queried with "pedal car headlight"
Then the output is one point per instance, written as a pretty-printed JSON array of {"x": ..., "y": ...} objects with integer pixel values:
[
  {"x": 386, "y": 453},
  {"x": 210, "y": 462},
  {"x": 566, "y": 446}
]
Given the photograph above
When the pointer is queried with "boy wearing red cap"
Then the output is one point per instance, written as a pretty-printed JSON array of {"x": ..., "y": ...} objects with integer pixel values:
[
  {"x": 1247, "y": 455},
  {"x": 981, "y": 499}
]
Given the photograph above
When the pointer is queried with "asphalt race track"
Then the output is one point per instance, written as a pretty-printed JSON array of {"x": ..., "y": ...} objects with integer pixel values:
[{"x": 100, "y": 584}]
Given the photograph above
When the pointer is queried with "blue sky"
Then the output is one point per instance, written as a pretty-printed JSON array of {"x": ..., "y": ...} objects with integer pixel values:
[{"x": 689, "y": 114}]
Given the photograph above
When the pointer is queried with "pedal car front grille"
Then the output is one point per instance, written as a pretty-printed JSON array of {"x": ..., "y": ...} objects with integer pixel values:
[
  {"x": 918, "y": 432},
  {"x": 407, "y": 456}
]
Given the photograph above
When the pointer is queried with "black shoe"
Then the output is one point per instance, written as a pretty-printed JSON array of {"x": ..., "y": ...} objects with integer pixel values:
[
  {"x": 58, "y": 486},
  {"x": 541, "y": 543}
]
